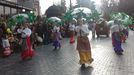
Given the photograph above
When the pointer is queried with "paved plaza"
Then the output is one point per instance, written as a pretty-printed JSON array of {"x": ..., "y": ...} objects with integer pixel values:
[{"x": 65, "y": 61}]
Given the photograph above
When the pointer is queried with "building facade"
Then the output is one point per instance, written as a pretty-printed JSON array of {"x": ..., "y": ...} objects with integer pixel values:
[
  {"x": 33, "y": 4},
  {"x": 8, "y": 7}
]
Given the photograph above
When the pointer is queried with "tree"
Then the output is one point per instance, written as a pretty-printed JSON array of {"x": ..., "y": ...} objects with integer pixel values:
[
  {"x": 63, "y": 6},
  {"x": 83, "y": 3},
  {"x": 53, "y": 11},
  {"x": 127, "y": 6},
  {"x": 108, "y": 6}
]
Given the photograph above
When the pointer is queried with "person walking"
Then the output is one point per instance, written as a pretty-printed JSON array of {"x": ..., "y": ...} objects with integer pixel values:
[
  {"x": 83, "y": 44},
  {"x": 27, "y": 52},
  {"x": 56, "y": 37},
  {"x": 116, "y": 37}
]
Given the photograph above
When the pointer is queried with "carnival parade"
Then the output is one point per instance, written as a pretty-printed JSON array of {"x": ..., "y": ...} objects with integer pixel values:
[{"x": 76, "y": 40}]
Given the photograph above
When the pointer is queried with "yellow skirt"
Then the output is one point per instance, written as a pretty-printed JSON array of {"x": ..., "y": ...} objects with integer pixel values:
[{"x": 85, "y": 57}]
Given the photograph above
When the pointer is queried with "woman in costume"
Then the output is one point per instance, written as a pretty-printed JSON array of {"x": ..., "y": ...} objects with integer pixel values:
[
  {"x": 83, "y": 44},
  {"x": 72, "y": 31},
  {"x": 116, "y": 37},
  {"x": 56, "y": 37},
  {"x": 5, "y": 42},
  {"x": 27, "y": 51}
]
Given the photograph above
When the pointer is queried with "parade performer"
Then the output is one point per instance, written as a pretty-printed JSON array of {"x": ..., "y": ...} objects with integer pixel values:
[
  {"x": 27, "y": 51},
  {"x": 124, "y": 35},
  {"x": 83, "y": 44},
  {"x": 72, "y": 32},
  {"x": 116, "y": 37},
  {"x": 5, "y": 42},
  {"x": 56, "y": 37}
]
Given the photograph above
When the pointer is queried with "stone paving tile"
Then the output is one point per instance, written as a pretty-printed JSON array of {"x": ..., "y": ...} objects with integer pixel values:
[{"x": 65, "y": 61}]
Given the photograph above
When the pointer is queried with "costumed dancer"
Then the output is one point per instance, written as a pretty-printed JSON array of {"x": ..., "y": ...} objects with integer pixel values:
[
  {"x": 6, "y": 46},
  {"x": 56, "y": 37},
  {"x": 27, "y": 51},
  {"x": 116, "y": 37},
  {"x": 5, "y": 42},
  {"x": 72, "y": 31},
  {"x": 83, "y": 44},
  {"x": 124, "y": 35}
]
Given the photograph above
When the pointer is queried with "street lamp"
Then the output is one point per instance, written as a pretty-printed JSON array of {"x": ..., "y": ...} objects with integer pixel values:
[
  {"x": 70, "y": 4},
  {"x": 31, "y": 11},
  {"x": 23, "y": 10}
]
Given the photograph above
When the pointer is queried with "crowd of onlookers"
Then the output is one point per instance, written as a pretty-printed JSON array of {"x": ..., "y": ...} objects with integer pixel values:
[{"x": 41, "y": 34}]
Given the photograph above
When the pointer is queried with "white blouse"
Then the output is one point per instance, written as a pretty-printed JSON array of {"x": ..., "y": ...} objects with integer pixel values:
[
  {"x": 116, "y": 28},
  {"x": 26, "y": 33},
  {"x": 82, "y": 30},
  {"x": 19, "y": 30},
  {"x": 5, "y": 43},
  {"x": 56, "y": 28},
  {"x": 72, "y": 27}
]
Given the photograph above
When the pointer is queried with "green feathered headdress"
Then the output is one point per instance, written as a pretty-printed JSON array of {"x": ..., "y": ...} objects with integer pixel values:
[{"x": 125, "y": 19}]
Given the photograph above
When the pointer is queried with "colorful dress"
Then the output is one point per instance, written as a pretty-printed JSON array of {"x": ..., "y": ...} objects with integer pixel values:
[
  {"x": 72, "y": 33},
  {"x": 83, "y": 45},
  {"x": 56, "y": 37},
  {"x": 116, "y": 38},
  {"x": 6, "y": 44},
  {"x": 27, "y": 51},
  {"x": 6, "y": 47}
]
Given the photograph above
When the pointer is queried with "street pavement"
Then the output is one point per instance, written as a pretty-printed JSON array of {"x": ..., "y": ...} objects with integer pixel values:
[{"x": 66, "y": 60}]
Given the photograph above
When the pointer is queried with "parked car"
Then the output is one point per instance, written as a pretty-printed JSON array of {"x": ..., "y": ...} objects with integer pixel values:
[{"x": 102, "y": 29}]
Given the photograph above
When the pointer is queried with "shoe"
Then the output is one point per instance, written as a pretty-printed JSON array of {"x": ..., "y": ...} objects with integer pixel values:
[
  {"x": 119, "y": 53},
  {"x": 83, "y": 65}
]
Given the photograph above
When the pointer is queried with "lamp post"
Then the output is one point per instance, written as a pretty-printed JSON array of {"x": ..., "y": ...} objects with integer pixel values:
[
  {"x": 70, "y": 4},
  {"x": 31, "y": 11},
  {"x": 23, "y": 10}
]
